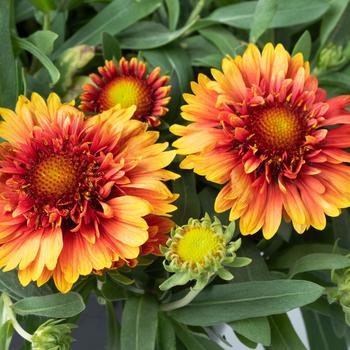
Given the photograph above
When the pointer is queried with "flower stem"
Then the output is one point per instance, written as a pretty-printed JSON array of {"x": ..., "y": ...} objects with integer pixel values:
[
  {"x": 184, "y": 301},
  {"x": 7, "y": 304}
]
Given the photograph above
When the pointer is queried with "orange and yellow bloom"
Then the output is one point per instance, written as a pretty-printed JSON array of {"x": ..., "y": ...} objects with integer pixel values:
[
  {"x": 78, "y": 195},
  {"x": 127, "y": 85},
  {"x": 263, "y": 129}
]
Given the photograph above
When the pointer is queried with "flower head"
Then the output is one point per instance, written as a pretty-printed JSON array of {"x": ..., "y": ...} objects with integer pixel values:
[
  {"x": 53, "y": 335},
  {"x": 127, "y": 85},
  {"x": 76, "y": 194},
  {"x": 264, "y": 130},
  {"x": 199, "y": 250}
]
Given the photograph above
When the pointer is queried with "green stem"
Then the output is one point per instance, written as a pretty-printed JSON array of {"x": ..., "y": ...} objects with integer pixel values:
[
  {"x": 184, "y": 301},
  {"x": 46, "y": 22},
  {"x": 7, "y": 304}
]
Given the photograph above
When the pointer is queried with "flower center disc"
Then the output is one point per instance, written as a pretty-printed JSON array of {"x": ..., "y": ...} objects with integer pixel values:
[
  {"x": 278, "y": 129},
  {"x": 55, "y": 177},
  {"x": 127, "y": 91},
  {"x": 198, "y": 243}
]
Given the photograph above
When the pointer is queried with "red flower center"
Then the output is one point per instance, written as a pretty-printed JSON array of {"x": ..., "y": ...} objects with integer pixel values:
[
  {"x": 55, "y": 177},
  {"x": 127, "y": 91},
  {"x": 278, "y": 129}
]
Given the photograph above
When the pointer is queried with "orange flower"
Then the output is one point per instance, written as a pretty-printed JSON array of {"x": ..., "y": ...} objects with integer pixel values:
[
  {"x": 127, "y": 85},
  {"x": 76, "y": 194},
  {"x": 265, "y": 130}
]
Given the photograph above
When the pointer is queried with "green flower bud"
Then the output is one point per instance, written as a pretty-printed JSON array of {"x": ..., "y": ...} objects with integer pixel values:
[
  {"x": 341, "y": 293},
  {"x": 53, "y": 335},
  {"x": 200, "y": 250},
  {"x": 333, "y": 56}
]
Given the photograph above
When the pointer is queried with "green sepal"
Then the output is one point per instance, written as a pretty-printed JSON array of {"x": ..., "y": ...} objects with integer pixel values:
[
  {"x": 239, "y": 262},
  {"x": 178, "y": 279},
  {"x": 225, "y": 275}
]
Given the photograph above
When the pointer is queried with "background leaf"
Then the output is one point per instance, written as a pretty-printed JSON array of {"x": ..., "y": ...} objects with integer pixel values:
[
  {"x": 283, "y": 334},
  {"x": 139, "y": 323},
  {"x": 255, "y": 329},
  {"x": 149, "y": 35},
  {"x": 115, "y": 17},
  {"x": 289, "y": 13},
  {"x": 175, "y": 62},
  {"x": 52, "y": 306},
  {"x": 303, "y": 45},
  {"x": 27, "y": 45},
  {"x": 320, "y": 333},
  {"x": 188, "y": 203},
  {"x": 238, "y": 301},
  {"x": 10, "y": 285},
  {"x": 265, "y": 11},
  {"x": 8, "y": 72},
  {"x": 173, "y": 7},
  {"x": 319, "y": 261}
]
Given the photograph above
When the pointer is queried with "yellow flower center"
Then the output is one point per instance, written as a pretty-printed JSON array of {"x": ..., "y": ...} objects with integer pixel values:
[
  {"x": 198, "y": 243},
  {"x": 127, "y": 91},
  {"x": 55, "y": 177},
  {"x": 278, "y": 129}
]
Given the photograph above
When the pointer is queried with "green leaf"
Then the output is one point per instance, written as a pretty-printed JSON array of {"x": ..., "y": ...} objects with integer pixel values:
[
  {"x": 111, "y": 291},
  {"x": 287, "y": 257},
  {"x": 27, "y": 45},
  {"x": 166, "y": 332},
  {"x": 289, "y": 13},
  {"x": 173, "y": 7},
  {"x": 238, "y": 301},
  {"x": 139, "y": 323},
  {"x": 111, "y": 47},
  {"x": 255, "y": 329},
  {"x": 265, "y": 10},
  {"x": 113, "y": 339},
  {"x": 303, "y": 45},
  {"x": 10, "y": 285},
  {"x": 206, "y": 342},
  {"x": 173, "y": 61},
  {"x": 149, "y": 35},
  {"x": 223, "y": 39},
  {"x": 188, "y": 205},
  {"x": 320, "y": 332},
  {"x": 341, "y": 224},
  {"x": 283, "y": 335},
  {"x": 319, "y": 261},
  {"x": 8, "y": 70},
  {"x": 44, "y": 40},
  {"x": 331, "y": 21},
  {"x": 188, "y": 338},
  {"x": 115, "y": 17},
  {"x": 202, "y": 52},
  {"x": 120, "y": 278},
  {"x": 23, "y": 10},
  {"x": 52, "y": 306}
]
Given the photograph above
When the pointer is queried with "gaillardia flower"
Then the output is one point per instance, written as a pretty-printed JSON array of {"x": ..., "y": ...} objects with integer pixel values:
[
  {"x": 76, "y": 194},
  {"x": 198, "y": 251},
  {"x": 128, "y": 85},
  {"x": 264, "y": 129}
]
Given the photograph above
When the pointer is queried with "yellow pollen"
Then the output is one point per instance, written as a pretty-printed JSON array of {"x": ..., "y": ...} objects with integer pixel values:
[
  {"x": 127, "y": 91},
  {"x": 55, "y": 177},
  {"x": 278, "y": 128},
  {"x": 198, "y": 243}
]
